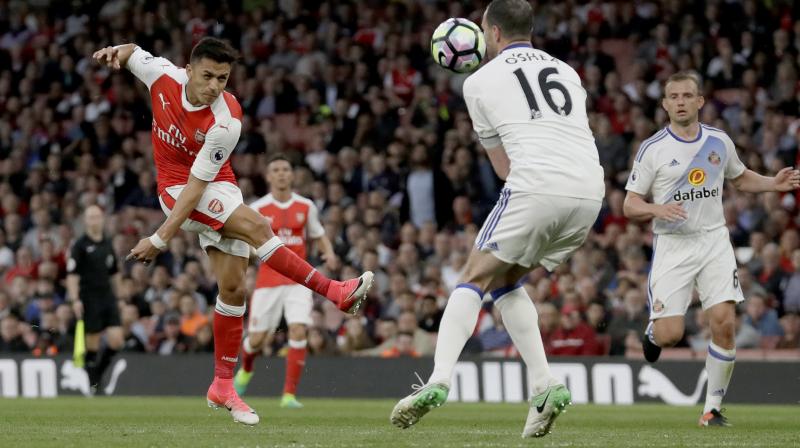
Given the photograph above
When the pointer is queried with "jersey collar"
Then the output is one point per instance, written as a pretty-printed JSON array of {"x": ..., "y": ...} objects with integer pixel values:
[
  {"x": 699, "y": 134},
  {"x": 517, "y": 45},
  {"x": 185, "y": 102}
]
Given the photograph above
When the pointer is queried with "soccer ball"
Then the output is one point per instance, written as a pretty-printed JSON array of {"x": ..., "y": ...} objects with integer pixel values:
[{"x": 458, "y": 45}]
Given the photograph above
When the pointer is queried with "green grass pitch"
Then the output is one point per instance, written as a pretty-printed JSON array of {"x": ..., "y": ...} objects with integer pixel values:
[{"x": 167, "y": 422}]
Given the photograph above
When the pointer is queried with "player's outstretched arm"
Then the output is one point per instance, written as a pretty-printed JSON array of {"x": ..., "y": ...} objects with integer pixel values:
[
  {"x": 148, "y": 248},
  {"x": 114, "y": 57},
  {"x": 787, "y": 179},
  {"x": 637, "y": 209}
]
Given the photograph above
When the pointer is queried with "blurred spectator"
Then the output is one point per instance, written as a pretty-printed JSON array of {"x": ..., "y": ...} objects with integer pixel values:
[
  {"x": 791, "y": 293},
  {"x": 790, "y": 324},
  {"x": 355, "y": 337},
  {"x": 572, "y": 336},
  {"x": 132, "y": 330},
  {"x": 10, "y": 336},
  {"x": 430, "y": 314},
  {"x": 762, "y": 318},
  {"x": 319, "y": 343},
  {"x": 173, "y": 341},
  {"x": 191, "y": 318},
  {"x": 496, "y": 339},
  {"x": 632, "y": 316},
  {"x": 424, "y": 342},
  {"x": 746, "y": 335},
  {"x": 403, "y": 346}
]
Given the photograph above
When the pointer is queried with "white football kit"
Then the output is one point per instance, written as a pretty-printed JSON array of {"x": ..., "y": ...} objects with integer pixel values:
[
  {"x": 535, "y": 107},
  {"x": 695, "y": 252}
]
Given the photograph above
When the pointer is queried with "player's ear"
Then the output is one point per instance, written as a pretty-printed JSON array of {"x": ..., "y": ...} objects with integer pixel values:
[
  {"x": 701, "y": 101},
  {"x": 188, "y": 70}
]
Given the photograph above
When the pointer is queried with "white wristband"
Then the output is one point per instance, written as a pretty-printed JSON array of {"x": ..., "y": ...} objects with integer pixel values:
[{"x": 157, "y": 241}]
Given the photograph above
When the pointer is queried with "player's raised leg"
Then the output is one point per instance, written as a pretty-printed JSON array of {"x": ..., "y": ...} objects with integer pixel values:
[
  {"x": 719, "y": 361},
  {"x": 661, "y": 333},
  {"x": 247, "y": 225},
  {"x": 458, "y": 323},
  {"x": 228, "y": 322}
]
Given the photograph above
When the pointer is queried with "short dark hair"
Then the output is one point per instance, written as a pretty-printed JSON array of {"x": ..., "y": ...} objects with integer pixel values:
[
  {"x": 279, "y": 156},
  {"x": 215, "y": 49},
  {"x": 685, "y": 75},
  {"x": 513, "y": 17}
]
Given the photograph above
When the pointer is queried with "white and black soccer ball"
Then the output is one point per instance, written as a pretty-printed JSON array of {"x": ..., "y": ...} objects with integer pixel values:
[{"x": 458, "y": 44}]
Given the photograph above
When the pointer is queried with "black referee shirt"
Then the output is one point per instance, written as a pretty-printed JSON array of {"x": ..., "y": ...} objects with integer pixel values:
[{"x": 95, "y": 263}]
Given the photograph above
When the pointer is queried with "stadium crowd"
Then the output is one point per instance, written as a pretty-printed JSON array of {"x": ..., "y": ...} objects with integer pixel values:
[{"x": 382, "y": 143}]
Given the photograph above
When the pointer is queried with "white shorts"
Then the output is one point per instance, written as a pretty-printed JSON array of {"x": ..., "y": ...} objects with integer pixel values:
[
  {"x": 528, "y": 229},
  {"x": 683, "y": 262},
  {"x": 217, "y": 204},
  {"x": 268, "y": 304}
]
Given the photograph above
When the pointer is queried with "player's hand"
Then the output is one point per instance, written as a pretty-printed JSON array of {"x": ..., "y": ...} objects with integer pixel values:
[
  {"x": 787, "y": 179},
  {"x": 144, "y": 251},
  {"x": 671, "y": 212},
  {"x": 109, "y": 56},
  {"x": 77, "y": 308},
  {"x": 331, "y": 261}
]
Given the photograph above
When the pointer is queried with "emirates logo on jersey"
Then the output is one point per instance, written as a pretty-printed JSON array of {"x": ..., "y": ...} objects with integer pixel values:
[
  {"x": 215, "y": 206},
  {"x": 199, "y": 137}
]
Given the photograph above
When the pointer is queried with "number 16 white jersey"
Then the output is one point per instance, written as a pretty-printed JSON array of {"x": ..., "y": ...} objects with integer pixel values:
[{"x": 535, "y": 106}]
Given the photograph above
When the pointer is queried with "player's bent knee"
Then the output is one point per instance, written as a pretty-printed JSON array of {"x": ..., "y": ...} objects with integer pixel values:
[
  {"x": 257, "y": 340},
  {"x": 232, "y": 293}
]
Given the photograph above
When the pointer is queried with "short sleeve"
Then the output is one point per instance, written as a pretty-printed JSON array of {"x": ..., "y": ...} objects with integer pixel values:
[
  {"x": 221, "y": 139},
  {"x": 148, "y": 68},
  {"x": 75, "y": 258},
  {"x": 734, "y": 166},
  {"x": 487, "y": 134},
  {"x": 642, "y": 174},
  {"x": 313, "y": 225}
]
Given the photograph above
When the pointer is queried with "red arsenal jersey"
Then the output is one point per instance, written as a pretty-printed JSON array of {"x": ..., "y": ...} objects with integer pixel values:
[
  {"x": 186, "y": 138},
  {"x": 292, "y": 221}
]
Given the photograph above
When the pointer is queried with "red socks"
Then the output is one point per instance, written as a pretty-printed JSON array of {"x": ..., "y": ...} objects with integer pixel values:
[
  {"x": 228, "y": 323},
  {"x": 295, "y": 361},
  {"x": 248, "y": 356},
  {"x": 287, "y": 263}
]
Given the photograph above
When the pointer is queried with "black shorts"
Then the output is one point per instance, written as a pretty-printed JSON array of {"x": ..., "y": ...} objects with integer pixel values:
[{"x": 99, "y": 315}]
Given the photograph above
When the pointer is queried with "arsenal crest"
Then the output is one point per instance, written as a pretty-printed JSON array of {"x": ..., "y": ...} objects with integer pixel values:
[
  {"x": 300, "y": 217},
  {"x": 199, "y": 137},
  {"x": 215, "y": 206},
  {"x": 714, "y": 158}
]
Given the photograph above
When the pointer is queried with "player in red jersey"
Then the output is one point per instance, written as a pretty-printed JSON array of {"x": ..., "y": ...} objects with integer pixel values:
[
  {"x": 196, "y": 125},
  {"x": 294, "y": 219}
]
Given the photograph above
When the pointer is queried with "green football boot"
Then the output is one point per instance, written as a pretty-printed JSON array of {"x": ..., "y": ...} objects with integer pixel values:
[
  {"x": 410, "y": 409},
  {"x": 544, "y": 409}
]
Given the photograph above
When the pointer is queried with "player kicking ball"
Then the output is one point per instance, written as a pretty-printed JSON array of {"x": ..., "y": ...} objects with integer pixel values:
[
  {"x": 294, "y": 219},
  {"x": 683, "y": 168},
  {"x": 196, "y": 125},
  {"x": 528, "y": 109}
]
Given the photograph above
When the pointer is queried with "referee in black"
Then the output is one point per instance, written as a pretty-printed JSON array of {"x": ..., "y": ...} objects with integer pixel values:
[{"x": 91, "y": 268}]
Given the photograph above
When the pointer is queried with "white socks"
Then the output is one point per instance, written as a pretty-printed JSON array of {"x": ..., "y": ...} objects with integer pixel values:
[
  {"x": 719, "y": 366},
  {"x": 522, "y": 323},
  {"x": 267, "y": 249},
  {"x": 458, "y": 322},
  {"x": 298, "y": 344},
  {"x": 229, "y": 310}
]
